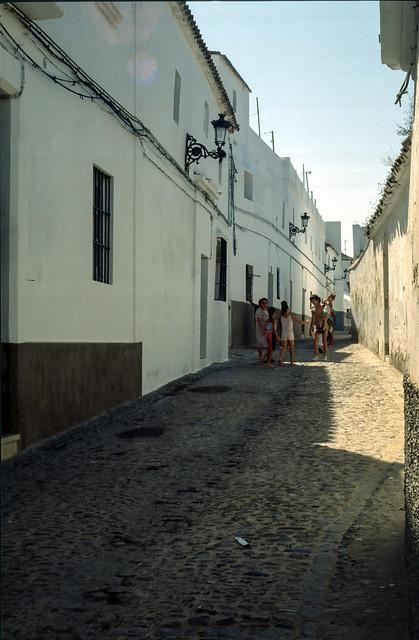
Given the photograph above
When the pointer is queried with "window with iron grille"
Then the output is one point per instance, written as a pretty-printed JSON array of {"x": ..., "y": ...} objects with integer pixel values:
[
  {"x": 278, "y": 283},
  {"x": 102, "y": 227},
  {"x": 221, "y": 270},
  {"x": 249, "y": 282}
]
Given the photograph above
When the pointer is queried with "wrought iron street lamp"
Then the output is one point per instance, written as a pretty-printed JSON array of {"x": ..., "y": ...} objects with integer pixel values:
[
  {"x": 293, "y": 230},
  {"x": 327, "y": 268},
  {"x": 195, "y": 150}
]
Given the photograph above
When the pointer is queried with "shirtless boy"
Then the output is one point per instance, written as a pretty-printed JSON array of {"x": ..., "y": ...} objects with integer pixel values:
[{"x": 317, "y": 326}]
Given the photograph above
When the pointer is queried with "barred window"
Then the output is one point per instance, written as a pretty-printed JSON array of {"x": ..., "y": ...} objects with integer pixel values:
[
  {"x": 102, "y": 226},
  {"x": 278, "y": 283},
  {"x": 221, "y": 270}
]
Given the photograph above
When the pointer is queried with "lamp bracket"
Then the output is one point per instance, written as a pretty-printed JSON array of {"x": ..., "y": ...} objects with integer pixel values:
[
  {"x": 327, "y": 268},
  {"x": 293, "y": 230},
  {"x": 195, "y": 151}
]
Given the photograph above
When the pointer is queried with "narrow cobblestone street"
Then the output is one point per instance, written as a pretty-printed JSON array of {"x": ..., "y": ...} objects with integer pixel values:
[{"x": 125, "y": 528}]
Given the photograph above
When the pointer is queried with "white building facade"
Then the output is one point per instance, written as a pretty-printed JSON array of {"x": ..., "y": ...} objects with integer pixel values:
[
  {"x": 269, "y": 196},
  {"x": 123, "y": 269},
  {"x": 109, "y": 249}
]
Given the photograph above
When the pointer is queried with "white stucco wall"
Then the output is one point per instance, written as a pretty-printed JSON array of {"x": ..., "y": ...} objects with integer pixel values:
[
  {"x": 412, "y": 284},
  {"x": 161, "y": 223},
  {"x": 262, "y": 223},
  {"x": 375, "y": 305}
]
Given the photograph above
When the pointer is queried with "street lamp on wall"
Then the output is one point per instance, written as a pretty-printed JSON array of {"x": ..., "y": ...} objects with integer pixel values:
[
  {"x": 327, "y": 268},
  {"x": 194, "y": 150},
  {"x": 293, "y": 230}
]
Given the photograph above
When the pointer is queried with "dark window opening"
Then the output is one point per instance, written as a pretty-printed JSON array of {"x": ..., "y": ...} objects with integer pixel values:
[
  {"x": 249, "y": 282},
  {"x": 221, "y": 270}
]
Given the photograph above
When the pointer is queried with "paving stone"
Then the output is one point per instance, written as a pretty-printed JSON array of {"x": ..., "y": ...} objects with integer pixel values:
[{"x": 111, "y": 531}]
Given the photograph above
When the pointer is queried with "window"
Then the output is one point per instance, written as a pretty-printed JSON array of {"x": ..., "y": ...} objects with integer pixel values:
[
  {"x": 249, "y": 282},
  {"x": 102, "y": 226},
  {"x": 234, "y": 100},
  {"x": 278, "y": 283},
  {"x": 221, "y": 270},
  {"x": 283, "y": 215},
  {"x": 290, "y": 300},
  {"x": 206, "y": 118},
  {"x": 176, "y": 98},
  {"x": 248, "y": 185}
]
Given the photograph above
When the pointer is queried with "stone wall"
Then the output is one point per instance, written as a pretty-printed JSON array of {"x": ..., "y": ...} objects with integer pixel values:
[
  {"x": 380, "y": 276},
  {"x": 411, "y": 394},
  {"x": 412, "y": 381}
]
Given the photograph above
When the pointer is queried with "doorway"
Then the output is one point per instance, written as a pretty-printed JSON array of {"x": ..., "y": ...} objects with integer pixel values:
[
  {"x": 5, "y": 149},
  {"x": 270, "y": 288},
  {"x": 204, "y": 308},
  {"x": 303, "y": 311}
]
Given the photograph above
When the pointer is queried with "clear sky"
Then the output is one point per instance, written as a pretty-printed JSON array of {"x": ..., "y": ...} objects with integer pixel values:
[{"x": 316, "y": 70}]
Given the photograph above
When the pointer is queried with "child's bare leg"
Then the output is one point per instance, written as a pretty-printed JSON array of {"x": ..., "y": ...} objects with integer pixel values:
[
  {"x": 316, "y": 344},
  {"x": 269, "y": 356},
  {"x": 292, "y": 351},
  {"x": 283, "y": 349},
  {"x": 324, "y": 337}
]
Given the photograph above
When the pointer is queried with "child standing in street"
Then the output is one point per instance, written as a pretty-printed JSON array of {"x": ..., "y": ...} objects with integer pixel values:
[
  {"x": 287, "y": 319},
  {"x": 317, "y": 326},
  {"x": 261, "y": 317}
]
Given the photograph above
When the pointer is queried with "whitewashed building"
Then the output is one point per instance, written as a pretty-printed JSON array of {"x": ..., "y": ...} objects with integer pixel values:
[
  {"x": 336, "y": 269},
  {"x": 109, "y": 250},
  {"x": 269, "y": 197},
  {"x": 125, "y": 266}
]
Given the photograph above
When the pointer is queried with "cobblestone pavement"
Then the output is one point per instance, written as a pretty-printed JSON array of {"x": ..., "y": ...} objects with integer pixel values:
[{"x": 125, "y": 527}]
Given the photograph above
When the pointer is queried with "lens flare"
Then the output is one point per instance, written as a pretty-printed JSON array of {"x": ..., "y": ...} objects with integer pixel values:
[{"x": 143, "y": 67}]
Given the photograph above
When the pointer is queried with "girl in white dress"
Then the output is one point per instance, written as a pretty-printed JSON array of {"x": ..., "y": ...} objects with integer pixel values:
[{"x": 286, "y": 321}]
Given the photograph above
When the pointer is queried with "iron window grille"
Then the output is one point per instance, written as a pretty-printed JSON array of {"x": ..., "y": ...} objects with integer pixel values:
[
  {"x": 221, "y": 270},
  {"x": 102, "y": 226}
]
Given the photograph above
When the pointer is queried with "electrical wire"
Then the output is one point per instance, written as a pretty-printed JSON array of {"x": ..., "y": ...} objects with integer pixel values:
[
  {"x": 93, "y": 91},
  {"x": 403, "y": 89}
]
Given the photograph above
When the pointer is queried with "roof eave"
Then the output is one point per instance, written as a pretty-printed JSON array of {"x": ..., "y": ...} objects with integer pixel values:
[{"x": 183, "y": 14}]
